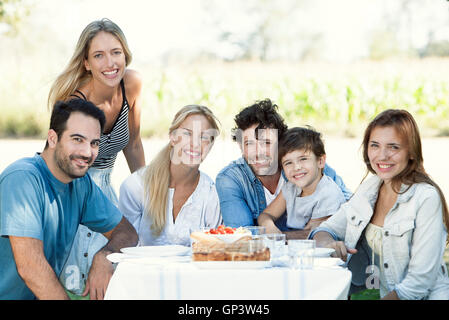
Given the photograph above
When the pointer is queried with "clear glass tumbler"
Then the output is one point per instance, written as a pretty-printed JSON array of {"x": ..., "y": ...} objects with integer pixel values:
[{"x": 301, "y": 253}]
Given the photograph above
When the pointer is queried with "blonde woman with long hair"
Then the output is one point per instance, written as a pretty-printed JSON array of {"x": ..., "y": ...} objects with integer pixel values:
[
  {"x": 171, "y": 196},
  {"x": 98, "y": 72}
]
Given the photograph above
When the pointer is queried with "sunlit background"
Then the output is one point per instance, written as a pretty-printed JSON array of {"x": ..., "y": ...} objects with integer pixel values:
[{"x": 330, "y": 64}]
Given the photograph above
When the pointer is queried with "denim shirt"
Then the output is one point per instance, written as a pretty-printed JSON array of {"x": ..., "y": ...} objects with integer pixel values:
[
  {"x": 242, "y": 197},
  {"x": 413, "y": 241}
]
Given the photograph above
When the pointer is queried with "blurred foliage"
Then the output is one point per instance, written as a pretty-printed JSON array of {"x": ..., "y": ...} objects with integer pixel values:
[
  {"x": 336, "y": 100},
  {"x": 272, "y": 46},
  {"x": 305, "y": 29},
  {"x": 11, "y": 14},
  {"x": 436, "y": 49},
  {"x": 20, "y": 125},
  {"x": 383, "y": 45}
]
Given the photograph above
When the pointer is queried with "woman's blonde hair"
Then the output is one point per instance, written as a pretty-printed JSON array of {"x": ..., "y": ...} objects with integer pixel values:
[
  {"x": 157, "y": 173},
  {"x": 75, "y": 74}
]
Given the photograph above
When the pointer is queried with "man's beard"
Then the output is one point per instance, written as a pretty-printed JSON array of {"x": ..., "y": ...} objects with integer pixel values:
[
  {"x": 65, "y": 164},
  {"x": 270, "y": 169}
]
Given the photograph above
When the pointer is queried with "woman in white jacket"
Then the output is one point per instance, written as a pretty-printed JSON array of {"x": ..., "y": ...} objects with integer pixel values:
[{"x": 393, "y": 231}]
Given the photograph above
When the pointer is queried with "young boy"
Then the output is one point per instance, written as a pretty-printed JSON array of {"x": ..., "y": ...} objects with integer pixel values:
[{"x": 308, "y": 196}]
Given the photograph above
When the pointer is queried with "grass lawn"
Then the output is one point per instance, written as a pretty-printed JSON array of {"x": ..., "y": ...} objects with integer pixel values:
[
  {"x": 368, "y": 294},
  {"x": 76, "y": 297}
]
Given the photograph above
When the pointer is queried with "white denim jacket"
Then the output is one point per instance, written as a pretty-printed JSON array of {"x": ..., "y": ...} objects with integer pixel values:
[{"x": 413, "y": 242}]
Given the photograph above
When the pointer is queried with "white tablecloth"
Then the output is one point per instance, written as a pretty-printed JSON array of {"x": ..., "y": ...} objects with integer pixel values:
[{"x": 133, "y": 280}]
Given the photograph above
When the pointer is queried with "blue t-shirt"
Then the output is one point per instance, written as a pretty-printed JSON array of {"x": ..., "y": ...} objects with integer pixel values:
[{"x": 33, "y": 203}]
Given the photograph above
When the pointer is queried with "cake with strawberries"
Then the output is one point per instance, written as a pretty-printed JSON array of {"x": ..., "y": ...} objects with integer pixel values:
[{"x": 208, "y": 245}]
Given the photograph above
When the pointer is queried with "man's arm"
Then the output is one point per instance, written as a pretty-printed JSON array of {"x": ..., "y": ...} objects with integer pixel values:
[
  {"x": 35, "y": 270},
  {"x": 233, "y": 206},
  {"x": 122, "y": 236}
]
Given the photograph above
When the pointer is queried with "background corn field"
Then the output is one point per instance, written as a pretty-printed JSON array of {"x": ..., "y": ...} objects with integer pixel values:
[{"x": 335, "y": 99}]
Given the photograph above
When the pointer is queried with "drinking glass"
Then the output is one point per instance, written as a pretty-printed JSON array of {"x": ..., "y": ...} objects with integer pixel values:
[
  {"x": 256, "y": 230},
  {"x": 276, "y": 243},
  {"x": 301, "y": 253},
  {"x": 256, "y": 244}
]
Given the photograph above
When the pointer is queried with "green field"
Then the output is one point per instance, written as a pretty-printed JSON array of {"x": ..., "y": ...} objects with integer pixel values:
[{"x": 335, "y": 99}]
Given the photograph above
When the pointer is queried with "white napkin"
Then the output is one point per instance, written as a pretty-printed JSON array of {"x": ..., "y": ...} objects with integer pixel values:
[
  {"x": 327, "y": 262},
  {"x": 322, "y": 262}
]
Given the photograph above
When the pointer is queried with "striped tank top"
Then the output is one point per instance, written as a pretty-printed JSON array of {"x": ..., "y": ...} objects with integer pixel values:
[{"x": 113, "y": 142}]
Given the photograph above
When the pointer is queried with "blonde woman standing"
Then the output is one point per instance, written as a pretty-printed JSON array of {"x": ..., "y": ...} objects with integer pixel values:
[
  {"x": 171, "y": 196},
  {"x": 98, "y": 72}
]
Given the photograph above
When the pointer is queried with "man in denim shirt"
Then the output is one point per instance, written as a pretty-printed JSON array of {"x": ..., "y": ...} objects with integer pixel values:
[{"x": 248, "y": 185}]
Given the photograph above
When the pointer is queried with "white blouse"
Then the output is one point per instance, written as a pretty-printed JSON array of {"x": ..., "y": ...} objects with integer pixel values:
[
  {"x": 374, "y": 239},
  {"x": 202, "y": 209}
]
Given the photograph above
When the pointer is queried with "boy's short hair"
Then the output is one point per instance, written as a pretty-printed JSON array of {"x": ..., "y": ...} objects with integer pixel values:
[{"x": 299, "y": 138}]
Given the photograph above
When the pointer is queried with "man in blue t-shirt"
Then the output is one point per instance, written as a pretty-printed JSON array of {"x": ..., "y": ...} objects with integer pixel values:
[
  {"x": 249, "y": 184},
  {"x": 44, "y": 198}
]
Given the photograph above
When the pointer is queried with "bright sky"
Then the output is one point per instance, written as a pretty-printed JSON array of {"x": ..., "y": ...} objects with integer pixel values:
[
  {"x": 151, "y": 27},
  {"x": 154, "y": 27}
]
